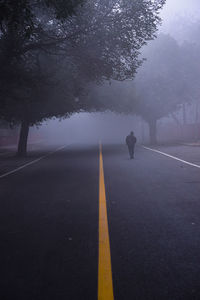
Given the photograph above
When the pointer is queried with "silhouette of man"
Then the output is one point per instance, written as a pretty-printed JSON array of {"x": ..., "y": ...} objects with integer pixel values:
[{"x": 131, "y": 141}]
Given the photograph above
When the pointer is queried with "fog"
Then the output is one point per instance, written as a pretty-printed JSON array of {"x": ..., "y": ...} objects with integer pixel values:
[
  {"x": 179, "y": 7},
  {"x": 90, "y": 128},
  {"x": 180, "y": 121}
]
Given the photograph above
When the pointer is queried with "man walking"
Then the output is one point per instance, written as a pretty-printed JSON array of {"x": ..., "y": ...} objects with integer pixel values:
[{"x": 131, "y": 141}]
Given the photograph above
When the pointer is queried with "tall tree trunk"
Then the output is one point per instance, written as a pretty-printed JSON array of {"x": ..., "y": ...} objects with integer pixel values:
[
  {"x": 196, "y": 112},
  {"x": 184, "y": 114},
  {"x": 196, "y": 121},
  {"x": 153, "y": 131},
  {"x": 23, "y": 139}
]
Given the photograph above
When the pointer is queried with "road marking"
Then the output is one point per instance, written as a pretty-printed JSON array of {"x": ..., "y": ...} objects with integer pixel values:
[
  {"x": 105, "y": 284},
  {"x": 31, "y": 163},
  {"x": 173, "y": 157}
]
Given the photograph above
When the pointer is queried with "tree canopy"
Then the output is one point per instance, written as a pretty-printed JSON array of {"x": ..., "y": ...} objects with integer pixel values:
[
  {"x": 159, "y": 88},
  {"x": 101, "y": 41}
]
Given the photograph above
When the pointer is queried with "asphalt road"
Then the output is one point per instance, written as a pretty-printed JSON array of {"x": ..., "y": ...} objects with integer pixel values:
[{"x": 49, "y": 226}]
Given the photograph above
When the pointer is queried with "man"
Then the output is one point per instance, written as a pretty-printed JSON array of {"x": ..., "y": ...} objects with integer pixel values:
[{"x": 131, "y": 141}]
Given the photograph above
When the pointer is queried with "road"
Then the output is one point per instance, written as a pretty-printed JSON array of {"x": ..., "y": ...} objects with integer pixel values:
[{"x": 49, "y": 214}]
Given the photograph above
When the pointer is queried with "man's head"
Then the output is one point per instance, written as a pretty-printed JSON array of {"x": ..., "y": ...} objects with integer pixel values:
[{"x": 132, "y": 133}]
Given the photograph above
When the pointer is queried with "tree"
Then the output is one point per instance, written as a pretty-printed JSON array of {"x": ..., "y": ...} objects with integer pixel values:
[
  {"x": 127, "y": 27},
  {"x": 160, "y": 85},
  {"x": 40, "y": 93},
  {"x": 159, "y": 88},
  {"x": 23, "y": 34},
  {"x": 101, "y": 41}
]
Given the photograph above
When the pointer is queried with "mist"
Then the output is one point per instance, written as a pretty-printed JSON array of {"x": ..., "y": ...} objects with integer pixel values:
[
  {"x": 100, "y": 149},
  {"x": 111, "y": 127}
]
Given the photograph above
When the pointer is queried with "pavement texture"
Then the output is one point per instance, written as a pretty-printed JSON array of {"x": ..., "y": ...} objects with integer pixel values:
[{"x": 49, "y": 225}]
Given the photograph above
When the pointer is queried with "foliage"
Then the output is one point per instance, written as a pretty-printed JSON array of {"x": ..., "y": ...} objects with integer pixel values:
[
  {"x": 101, "y": 42},
  {"x": 21, "y": 14},
  {"x": 160, "y": 84},
  {"x": 48, "y": 55}
]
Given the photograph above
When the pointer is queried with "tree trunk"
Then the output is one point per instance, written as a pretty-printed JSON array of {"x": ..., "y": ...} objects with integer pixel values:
[
  {"x": 153, "y": 131},
  {"x": 22, "y": 144},
  {"x": 184, "y": 114},
  {"x": 175, "y": 119},
  {"x": 197, "y": 112},
  {"x": 196, "y": 121}
]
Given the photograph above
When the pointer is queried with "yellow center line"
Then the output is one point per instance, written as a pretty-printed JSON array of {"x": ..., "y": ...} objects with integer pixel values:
[{"x": 105, "y": 284}]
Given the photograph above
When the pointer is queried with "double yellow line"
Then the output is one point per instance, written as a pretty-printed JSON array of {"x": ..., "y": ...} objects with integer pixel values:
[{"x": 105, "y": 284}]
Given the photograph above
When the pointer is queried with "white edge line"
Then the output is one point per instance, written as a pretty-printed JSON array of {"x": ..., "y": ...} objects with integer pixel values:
[
  {"x": 32, "y": 162},
  {"x": 174, "y": 157}
]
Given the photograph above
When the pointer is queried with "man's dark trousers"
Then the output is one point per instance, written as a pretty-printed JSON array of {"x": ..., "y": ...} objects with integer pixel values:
[{"x": 131, "y": 150}]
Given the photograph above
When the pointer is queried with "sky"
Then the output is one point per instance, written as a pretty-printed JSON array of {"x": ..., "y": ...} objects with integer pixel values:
[
  {"x": 176, "y": 8},
  {"x": 173, "y": 7}
]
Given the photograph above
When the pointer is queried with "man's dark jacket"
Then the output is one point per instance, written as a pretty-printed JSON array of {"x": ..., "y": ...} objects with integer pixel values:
[{"x": 131, "y": 140}]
